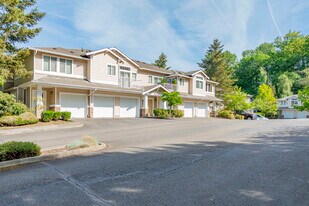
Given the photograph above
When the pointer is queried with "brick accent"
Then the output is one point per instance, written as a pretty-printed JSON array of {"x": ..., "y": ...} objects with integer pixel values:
[
  {"x": 90, "y": 112},
  {"x": 144, "y": 113}
]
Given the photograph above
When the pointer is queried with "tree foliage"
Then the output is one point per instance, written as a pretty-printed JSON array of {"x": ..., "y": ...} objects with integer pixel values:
[
  {"x": 173, "y": 99},
  {"x": 303, "y": 96},
  {"x": 281, "y": 64},
  {"x": 18, "y": 20},
  {"x": 161, "y": 61},
  {"x": 236, "y": 100},
  {"x": 219, "y": 66},
  {"x": 265, "y": 101}
]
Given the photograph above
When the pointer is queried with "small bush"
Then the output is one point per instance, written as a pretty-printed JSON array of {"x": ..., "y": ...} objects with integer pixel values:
[
  {"x": 90, "y": 141},
  {"x": 161, "y": 113},
  {"x": 47, "y": 116},
  {"x": 19, "y": 108},
  {"x": 57, "y": 115},
  {"x": 23, "y": 119},
  {"x": 66, "y": 116},
  {"x": 226, "y": 114},
  {"x": 6, "y": 102},
  {"x": 177, "y": 113},
  {"x": 238, "y": 116},
  {"x": 16, "y": 150}
]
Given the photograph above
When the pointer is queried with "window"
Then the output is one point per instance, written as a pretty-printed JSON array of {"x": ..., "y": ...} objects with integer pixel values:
[
  {"x": 111, "y": 70},
  {"x": 50, "y": 64},
  {"x": 66, "y": 66},
  {"x": 125, "y": 68},
  {"x": 157, "y": 80},
  {"x": 208, "y": 87},
  {"x": 134, "y": 77},
  {"x": 181, "y": 82},
  {"x": 294, "y": 102},
  {"x": 150, "y": 79},
  {"x": 199, "y": 82}
]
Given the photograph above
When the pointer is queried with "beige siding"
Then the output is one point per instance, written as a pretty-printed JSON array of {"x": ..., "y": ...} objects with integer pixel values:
[
  {"x": 196, "y": 91},
  {"x": 143, "y": 77},
  {"x": 184, "y": 88},
  {"x": 79, "y": 65}
]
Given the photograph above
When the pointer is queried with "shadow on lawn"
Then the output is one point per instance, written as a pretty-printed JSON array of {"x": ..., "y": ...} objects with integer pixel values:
[{"x": 268, "y": 169}]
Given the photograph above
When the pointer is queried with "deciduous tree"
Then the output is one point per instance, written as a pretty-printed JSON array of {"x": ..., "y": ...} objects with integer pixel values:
[{"x": 265, "y": 101}]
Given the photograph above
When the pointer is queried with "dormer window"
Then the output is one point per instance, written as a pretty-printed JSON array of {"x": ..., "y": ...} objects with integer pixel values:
[{"x": 199, "y": 82}]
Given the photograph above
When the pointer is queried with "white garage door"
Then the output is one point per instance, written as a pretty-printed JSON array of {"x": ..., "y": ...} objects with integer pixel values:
[
  {"x": 302, "y": 115},
  {"x": 128, "y": 107},
  {"x": 188, "y": 109},
  {"x": 74, "y": 103},
  {"x": 103, "y": 106},
  {"x": 288, "y": 114},
  {"x": 201, "y": 110}
]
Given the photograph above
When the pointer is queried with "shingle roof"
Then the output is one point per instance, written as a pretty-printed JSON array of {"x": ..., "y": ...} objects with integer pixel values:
[
  {"x": 73, "y": 52},
  {"x": 151, "y": 67}
]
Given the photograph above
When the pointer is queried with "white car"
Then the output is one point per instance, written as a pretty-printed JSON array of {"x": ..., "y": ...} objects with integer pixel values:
[{"x": 260, "y": 117}]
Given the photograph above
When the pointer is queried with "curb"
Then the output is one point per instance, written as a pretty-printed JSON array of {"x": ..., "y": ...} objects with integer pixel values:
[
  {"x": 18, "y": 162},
  {"x": 15, "y": 131}
]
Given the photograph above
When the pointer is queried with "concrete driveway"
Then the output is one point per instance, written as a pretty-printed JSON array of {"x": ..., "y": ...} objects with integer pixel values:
[{"x": 170, "y": 162}]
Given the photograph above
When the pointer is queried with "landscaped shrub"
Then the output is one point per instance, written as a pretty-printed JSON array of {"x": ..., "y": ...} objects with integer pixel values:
[
  {"x": 226, "y": 114},
  {"x": 238, "y": 116},
  {"x": 16, "y": 150},
  {"x": 47, "y": 116},
  {"x": 161, "y": 113},
  {"x": 177, "y": 113},
  {"x": 19, "y": 108},
  {"x": 23, "y": 119},
  {"x": 6, "y": 102},
  {"x": 65, "y": 116},
  {"x": 57, "y": 115}
]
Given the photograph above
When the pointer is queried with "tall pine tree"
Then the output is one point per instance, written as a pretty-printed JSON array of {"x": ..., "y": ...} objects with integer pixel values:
[
  {"x": 161, "y": 61},
  {"x": 18, "y": 20},
  {"x": 217, "y": 67}
]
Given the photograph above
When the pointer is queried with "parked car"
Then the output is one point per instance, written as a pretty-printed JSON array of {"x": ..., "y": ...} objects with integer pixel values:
[
  {"x": 249, "y": 115},
  {"x": 260, "y": 117}
]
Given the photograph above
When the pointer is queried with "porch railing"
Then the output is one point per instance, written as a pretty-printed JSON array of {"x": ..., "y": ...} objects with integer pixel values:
[
  {"x": 170, "y": 87},
  {"x": 129, "y": 83}
]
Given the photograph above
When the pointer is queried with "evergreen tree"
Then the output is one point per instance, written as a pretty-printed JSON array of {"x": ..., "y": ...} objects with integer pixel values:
[
  {"x": 161, "y": 61},
  {"x": 216, "y": 66},
  {"x": 18, "y": 20}
]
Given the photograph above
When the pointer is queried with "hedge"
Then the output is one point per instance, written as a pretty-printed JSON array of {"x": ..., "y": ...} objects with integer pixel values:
[
  {"x": 16, "y": 150},
  {"x": 238, "y": 116},
  {"x": 47, "y": 116},
  {"x": 57, "y": 116},
  {"x": 164, "y": 113},
  {"x": 23, "y": 119},
  {"x": 65, "y": 116},
  {"x": 226, "y": 114}
]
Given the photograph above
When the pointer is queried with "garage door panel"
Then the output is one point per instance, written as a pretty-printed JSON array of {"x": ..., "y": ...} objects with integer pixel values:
[
  {"x": 103, "y": 107},
  {"x": 74, "y": 103},
  {"x": 288, "y": 114},
  {"x": 188, "y": 109},
  {"x": 128, "y": 107},
  {"x": 201, "y": 110}
]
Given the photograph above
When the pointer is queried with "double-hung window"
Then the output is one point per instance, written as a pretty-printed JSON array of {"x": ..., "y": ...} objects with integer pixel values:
[
  {"x": 50, "y": 64},
  {"x": 66, "y": 66},
  {"x": 111, "y": 70},
  {"x": 208, "y": 87},
  {"x": 181, "y": 82},
  {"x": 199, "y": 82},
  {"x": 157, "y": 80},
  {"x": 150, "y": 79}
]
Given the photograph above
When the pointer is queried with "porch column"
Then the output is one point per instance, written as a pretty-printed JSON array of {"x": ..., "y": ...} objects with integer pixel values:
[
  {"x": 38, "y": 99},
  {"x": 164, "y": 105},
  {"x": 90, "y": 104},
  {"x": 56, "y": 106},
  {"x": 144, "y": 110}
]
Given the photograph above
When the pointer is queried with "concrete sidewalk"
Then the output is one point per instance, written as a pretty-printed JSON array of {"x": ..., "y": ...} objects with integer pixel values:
[{"x": 40, "y": 128}]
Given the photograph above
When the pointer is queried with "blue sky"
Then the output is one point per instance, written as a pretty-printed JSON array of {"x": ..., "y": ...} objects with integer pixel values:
[{"x": 182, "y": 29}]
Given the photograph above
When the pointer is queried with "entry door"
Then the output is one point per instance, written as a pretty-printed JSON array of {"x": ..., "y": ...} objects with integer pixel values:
[
  {"x": 150, "y": 106},
  {"x": 124, "y": 79}
]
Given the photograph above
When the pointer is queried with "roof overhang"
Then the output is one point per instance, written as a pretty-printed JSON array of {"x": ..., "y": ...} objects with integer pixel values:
[
  {"x": 216, "y": 83},
  {"x": 200, "y": 71},
  {"x": 57, "y": 53}
]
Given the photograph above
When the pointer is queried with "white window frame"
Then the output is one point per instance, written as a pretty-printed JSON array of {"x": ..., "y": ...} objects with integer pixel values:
[
  {"x": 133, "y": 73},
  {"x": 57, "y": 65},
  {"x": 150, "y": 79},
  {"x": 199, "y": 79},
  {"x": 182, "y": 82},
  {"x": 159, "y": 79},
  {"x": 112, "y": 65},
  {"x": 65, "y": 66}
]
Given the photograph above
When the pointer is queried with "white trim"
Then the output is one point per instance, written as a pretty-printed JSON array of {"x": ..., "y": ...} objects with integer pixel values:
[
  {"x": 114, "y": 65},
  {"x": 105, "y": 82},
  {"x": 200, "y": 71},
  {"x": 57, "y": 65},
  {"x": 58, "y": 53},
  {"x": 60, "y": 74},
  {"x": 156, "y": 87},
  {"x": 125, "y": 57}
]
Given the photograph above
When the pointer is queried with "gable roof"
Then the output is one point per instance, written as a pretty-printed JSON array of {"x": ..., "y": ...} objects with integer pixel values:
[
  {"x": 194, "y": 72},
  {"x": 294, "y": 96},
  {"x": 151, "y": 88},
  {"x": 75, "y": 53},
  {"x": 151, "y": 67}
]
